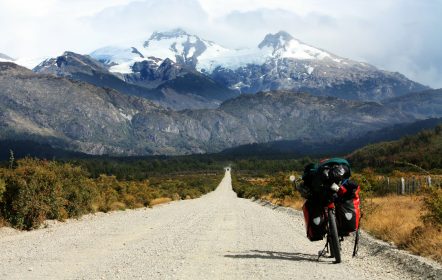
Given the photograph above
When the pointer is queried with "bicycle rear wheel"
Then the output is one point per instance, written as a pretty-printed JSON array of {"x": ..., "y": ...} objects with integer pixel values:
[{"x": 333, "y": 236}]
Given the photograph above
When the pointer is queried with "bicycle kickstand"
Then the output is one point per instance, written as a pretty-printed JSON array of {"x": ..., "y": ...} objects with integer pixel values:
[{"x": 323, "y": 252}]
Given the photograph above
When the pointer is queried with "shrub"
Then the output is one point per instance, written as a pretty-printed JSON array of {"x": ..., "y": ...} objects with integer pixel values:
[
  {"x": 32, "y": 194},
  {"x": 2, "y": 189},
  {"x": 107, "y": 187},
  {"x": 282, "y": 187},
  {"x": 78, "y": 191},
  {"x": 433, "y": 205}
]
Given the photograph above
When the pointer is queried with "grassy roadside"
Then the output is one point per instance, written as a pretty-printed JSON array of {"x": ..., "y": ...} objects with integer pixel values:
[
  {"x": 401, "y": 221},
  {"x": 411, "y": 222},
  {"x": 32, "y": 191}
]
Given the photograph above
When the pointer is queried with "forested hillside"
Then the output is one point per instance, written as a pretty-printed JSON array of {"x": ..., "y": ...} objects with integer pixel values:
[{"x": 423, "y": 149}]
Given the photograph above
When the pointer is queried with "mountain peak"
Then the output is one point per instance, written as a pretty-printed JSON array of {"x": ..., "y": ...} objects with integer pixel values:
[
  {"x": 277, "y": 40},
  {"x": 177, "y": 45},
  {"x": 174, "y": 33}
]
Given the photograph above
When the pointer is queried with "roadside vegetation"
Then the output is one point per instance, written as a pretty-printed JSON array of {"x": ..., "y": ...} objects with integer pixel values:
[
  {"x": 32, "y": 191},
  {"x": 275, "y": 188}
]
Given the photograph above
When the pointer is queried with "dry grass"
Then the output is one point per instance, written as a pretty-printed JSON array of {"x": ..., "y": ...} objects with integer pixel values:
[
  {"x": 258, "y": 181},
  {"x": 117, "y": 206},
  {"x": 160, "y": 200},
  {"x": 286, "y": 202},
  {"x": 3, "y": 223},
  {"x": 397, "y": 219},
  {"x": 393, "y": 218}
]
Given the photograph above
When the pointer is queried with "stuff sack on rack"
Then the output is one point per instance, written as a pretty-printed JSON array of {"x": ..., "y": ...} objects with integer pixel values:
[{"x": 317, "y": 177}]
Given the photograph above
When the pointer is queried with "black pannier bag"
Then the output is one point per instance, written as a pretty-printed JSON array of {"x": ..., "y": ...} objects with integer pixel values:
[
  {"x": 314, "y": 220},
  {"x": 348, "y": 209}
]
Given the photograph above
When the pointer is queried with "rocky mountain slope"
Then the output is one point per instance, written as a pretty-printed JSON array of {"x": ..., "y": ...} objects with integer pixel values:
[
  {"x": 279, "y": 62},
  {"x": 82, "y": 117},
  {"x": 166, "y": 83},
  {"x": 65, "y": 113},
  {"x": 422, "y": 105}
]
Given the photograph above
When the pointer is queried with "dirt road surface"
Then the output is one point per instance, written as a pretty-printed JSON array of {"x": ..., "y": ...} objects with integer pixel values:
[{"x": 217, "y": 236}]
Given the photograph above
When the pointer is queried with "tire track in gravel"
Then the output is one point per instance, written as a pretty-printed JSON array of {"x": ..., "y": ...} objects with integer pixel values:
[{"x": 217, "y": 236}]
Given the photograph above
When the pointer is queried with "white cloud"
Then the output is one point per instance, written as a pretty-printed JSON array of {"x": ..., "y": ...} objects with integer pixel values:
[
  {"x": 397, "y": 35},
  {"x": 137, "y": 20}
]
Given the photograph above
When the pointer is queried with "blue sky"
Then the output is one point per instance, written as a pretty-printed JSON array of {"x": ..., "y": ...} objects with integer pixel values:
[{"x": 395, "y": 35}]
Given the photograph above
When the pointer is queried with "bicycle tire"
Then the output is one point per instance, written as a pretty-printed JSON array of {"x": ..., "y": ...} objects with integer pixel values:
[
  {"x": 334, "y": 237},
  {"x": 330, "y": 248}
]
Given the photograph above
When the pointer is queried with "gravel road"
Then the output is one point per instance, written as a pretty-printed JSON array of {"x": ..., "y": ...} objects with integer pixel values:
[{"x": 217, "y": 236}]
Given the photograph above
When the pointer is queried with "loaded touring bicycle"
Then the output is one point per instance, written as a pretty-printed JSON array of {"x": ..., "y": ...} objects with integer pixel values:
[{"x": 332, "y": 206}]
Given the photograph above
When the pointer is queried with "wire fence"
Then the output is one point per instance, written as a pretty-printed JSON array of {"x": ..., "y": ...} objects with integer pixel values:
[{"x": 405, "y": 185}]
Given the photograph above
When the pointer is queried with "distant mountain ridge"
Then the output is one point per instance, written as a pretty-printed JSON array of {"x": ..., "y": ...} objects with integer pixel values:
[
  {"x": 422, "y": 105},
  {"x": 78, "y": 116},
  {"x": 336, "y": 146}
]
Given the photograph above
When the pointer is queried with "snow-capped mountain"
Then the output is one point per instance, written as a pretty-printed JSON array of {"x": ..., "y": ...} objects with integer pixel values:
[
  {"x": 180, "y": 47},
  {"x": 206, "y": 56},
  {"x": 176, "y": 45},
  {"x": 279, "y": 62},
  {"x": 274, "y": 46},
  {"x": 162, "y": 81}
]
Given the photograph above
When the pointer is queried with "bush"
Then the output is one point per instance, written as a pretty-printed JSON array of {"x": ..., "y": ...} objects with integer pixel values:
[
  {"x": 78, "y": 191},
  {"x": 33, "y": 193},
  {"x": 108, "y": 192},
  {"x": 282, "y": 187},
  {"x": 433, "y": 205},
  {"x": 278, "y": 186},
  {"x": 2, "y": 189}
]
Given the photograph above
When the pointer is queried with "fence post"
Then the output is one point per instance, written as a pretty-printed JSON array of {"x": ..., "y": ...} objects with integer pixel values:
[
  {"x": 402, "y": 186},
  {"x": 413, "y": 188},
  {"x": 388, "y": 184},
  {"x": 429, "y": 181}
]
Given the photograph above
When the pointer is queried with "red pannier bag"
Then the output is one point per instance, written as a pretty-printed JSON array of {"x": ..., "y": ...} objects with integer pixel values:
[
  {"x": 348, "y": 210},
  {"x": 314, "y": 220}
]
